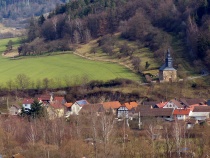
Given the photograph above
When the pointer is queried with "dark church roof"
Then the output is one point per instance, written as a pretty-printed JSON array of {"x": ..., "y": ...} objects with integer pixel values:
[{"x": 168, "y": 62}]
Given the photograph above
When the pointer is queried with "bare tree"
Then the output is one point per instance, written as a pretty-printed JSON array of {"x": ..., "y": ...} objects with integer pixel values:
[
  {"x": 10, "y": 85},
  {"x": 76, "y": 37},
  {"x": 177, "y": 137},
  {"x": 23, "y": 81},
  {"x": 45, "y": 82},
  {"x": 107, "y": 125},
  {"x": 87, "y": 35}
]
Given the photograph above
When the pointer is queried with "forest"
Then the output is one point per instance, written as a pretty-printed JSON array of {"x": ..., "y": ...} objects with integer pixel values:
[
  {"x": 151, "y": 24},
  {"x": 15, "y": 13}
]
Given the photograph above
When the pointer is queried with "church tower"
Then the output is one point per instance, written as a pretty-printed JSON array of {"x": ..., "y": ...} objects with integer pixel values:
[{"x": 166, "y": 72}]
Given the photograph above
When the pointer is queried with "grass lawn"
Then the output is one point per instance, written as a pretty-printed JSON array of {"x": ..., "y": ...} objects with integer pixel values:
[
  {"x": 60, "y": 66},
  {"x": 3, "y": 43}
]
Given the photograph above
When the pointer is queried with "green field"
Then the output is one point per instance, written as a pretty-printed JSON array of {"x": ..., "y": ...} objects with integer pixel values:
[{"x": 59, "y": 67}]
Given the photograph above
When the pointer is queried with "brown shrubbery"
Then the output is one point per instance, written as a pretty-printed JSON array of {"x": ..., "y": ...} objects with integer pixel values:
[{"x": 89, "y": 135}]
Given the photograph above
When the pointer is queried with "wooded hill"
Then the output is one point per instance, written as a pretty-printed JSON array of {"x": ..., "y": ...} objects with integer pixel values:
[
  {"x": 151, "y": 24},
  {"x": 14, "y": 12}
]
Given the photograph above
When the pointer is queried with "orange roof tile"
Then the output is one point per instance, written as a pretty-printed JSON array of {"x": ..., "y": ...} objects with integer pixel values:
[
  {"x": 112, "y": 105},
  {"x": 162, "y": 104},
  {"x": 68, "y": 105},
  {"x": 130, "y": 105},
  {"x": 181, "y": 112},
  {"x": 134, "y": 104}
]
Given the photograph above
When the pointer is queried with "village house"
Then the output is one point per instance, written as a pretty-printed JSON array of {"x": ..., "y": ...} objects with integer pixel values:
[
  {"x": 77, "y": 106},
  {"x": 92, "y": 109},
  {"x": 68, "y": 106},
  {"x": 200, "y": 113},
  {"x": 60, "y": 100},
  {"x": 143, "y": 111},
  {"x": 175, "y": 104},
  {"x": 45, "y": 99},
  {"x": 55, "y": 110},
  {"x": 123, "y": 110},
  {"x": 181, "y": 114},
  {"x": 27, "y": 104},
  {"x": 160, "y": 105},
  {"x": 192, "y": 102},
  {"x": 57, "y": 107},
  {"x": 112, "y": 106}
]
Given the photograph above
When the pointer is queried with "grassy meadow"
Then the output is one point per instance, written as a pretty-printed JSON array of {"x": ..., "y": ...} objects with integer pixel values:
[{"x": 59, "y": 67}]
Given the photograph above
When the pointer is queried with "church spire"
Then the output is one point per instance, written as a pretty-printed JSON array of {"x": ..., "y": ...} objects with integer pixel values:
[{"x": 169, "y": 60}]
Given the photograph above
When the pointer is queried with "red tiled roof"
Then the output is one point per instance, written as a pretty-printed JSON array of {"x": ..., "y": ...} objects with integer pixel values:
[
  {"x": 44, "y": 97},
  {"x": 177, "y": 103},
  {"x": 195, "y": 105},
  {"x": 92, "y": 108},
  {"x": 181, "y": 112},
  {"x": 189, "y": 102},
  {"x": 68, "y": 105},
  {"x": 155, "y": 112},
  {"x": 28, "y": 101},
  {"x": 162, "y": 104},
  {"x": 60, "y": 99},
  {"x": 201, "y": 108},
  {"x": 112, "y": 105}
]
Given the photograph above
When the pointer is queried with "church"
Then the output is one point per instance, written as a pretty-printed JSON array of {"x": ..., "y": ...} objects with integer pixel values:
[{"x": 166, "y": 72}]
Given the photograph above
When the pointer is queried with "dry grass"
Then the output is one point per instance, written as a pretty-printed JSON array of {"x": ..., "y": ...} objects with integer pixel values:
[
  {"x": 144, "y": 54},
  {"x": 11, "y": 54},
  {"x": 14, "y": 31}
]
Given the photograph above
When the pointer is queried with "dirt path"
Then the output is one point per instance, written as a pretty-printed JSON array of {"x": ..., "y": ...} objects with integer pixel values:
[{"x": 10, "y": 55}]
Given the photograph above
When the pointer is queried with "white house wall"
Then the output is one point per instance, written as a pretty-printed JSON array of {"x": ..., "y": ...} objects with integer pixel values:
[
  {"x": 170, "y": 105},
  {"x": 27, "y": 106},
  {"x": 181, "y": 117},
  {"x": 75, "y": 109},
  {"x": 199, "y": 115},
  {"x": 122, "y": 112}
]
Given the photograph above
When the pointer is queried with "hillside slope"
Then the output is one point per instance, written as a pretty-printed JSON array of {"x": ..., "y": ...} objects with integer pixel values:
[{"x": 140, "y": 24}]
